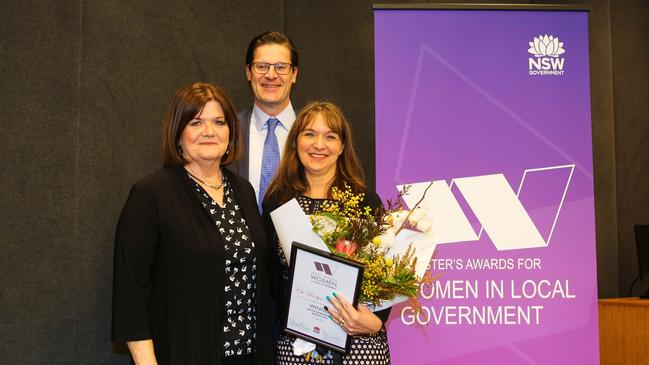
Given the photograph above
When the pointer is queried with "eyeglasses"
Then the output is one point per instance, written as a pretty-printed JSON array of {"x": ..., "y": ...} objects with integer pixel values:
[{"x": 281, "y": 68}]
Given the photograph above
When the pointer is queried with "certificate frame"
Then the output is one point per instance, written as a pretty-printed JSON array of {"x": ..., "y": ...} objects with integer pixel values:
[{"x": 309, "y": 280}]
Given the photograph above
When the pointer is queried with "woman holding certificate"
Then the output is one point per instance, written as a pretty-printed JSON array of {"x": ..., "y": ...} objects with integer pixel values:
[
  {"x": 191, "y": 271},
  {"x": 319, "y": 155}
]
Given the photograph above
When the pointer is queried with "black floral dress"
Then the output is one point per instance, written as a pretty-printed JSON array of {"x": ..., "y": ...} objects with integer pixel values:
[{"x": 239, "y": 333}]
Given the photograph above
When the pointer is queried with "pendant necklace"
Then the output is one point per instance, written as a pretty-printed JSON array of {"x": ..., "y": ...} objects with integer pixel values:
[{"x": 215, "y": 187}]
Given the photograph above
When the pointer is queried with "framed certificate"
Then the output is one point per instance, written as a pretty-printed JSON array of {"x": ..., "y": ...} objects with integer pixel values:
[{"x": 314, "y": 275}]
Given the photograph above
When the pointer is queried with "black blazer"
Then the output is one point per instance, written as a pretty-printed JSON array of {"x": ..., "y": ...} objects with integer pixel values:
[
  {"x": 169, "y": 271},
  {"x": 241, "y": 166}
]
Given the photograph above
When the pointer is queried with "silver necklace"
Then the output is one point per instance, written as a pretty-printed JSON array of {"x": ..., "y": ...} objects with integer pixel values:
[{"x": 215, "y": 187}]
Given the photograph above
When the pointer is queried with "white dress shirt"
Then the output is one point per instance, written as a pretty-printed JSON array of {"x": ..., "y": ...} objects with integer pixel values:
[{"x": 258, "y": 132}]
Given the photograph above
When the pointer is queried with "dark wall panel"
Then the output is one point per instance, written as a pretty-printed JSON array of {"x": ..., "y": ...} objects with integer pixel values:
[
  {"x": 38, "y": 147},
  {"x": 601, "y": 99},
  {"x": 629, "y": 29}
]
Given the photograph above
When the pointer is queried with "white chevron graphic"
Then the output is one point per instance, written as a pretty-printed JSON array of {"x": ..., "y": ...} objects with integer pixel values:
[{"x": 495, "y": 205}]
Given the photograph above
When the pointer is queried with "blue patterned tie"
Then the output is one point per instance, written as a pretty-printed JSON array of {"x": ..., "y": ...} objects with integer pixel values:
[{"x": 270, "y": 159}]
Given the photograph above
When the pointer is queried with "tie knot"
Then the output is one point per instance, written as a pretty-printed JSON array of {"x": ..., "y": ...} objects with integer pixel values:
[{"x": 272, "y": 123}]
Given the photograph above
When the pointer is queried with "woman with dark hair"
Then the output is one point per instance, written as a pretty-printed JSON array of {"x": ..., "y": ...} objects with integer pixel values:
[
  {"x": 191, "y": 255},
  {"x": 319, "y": 155}
]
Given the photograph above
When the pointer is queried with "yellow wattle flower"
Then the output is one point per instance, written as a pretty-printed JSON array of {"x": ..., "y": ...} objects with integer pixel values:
[
  {"x": 376, "y": 241},
  {"x": 389, "y": 262}
]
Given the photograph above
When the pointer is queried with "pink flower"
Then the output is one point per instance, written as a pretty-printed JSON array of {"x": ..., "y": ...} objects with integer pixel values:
[{"x": 346, "y": 247}]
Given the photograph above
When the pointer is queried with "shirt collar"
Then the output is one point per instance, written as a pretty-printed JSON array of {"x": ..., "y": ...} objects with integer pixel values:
[{"x": 286, "y": 117}]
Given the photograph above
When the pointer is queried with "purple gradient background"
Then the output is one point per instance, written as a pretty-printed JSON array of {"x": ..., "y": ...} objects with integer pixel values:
[{"x": 454, "y": 99}]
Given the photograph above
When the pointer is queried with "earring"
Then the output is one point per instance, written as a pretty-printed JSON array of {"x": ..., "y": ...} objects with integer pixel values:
[{"x": 180, "y": 149}]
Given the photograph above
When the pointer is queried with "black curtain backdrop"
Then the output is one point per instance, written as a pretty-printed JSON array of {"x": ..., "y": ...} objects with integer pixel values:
[{"x": 84, "y": 88}]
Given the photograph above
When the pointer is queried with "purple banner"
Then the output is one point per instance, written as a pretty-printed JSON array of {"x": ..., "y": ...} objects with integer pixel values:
[{"x": 494, "y": 106}]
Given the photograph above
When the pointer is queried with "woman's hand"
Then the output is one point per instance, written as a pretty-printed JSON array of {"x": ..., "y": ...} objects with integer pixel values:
[
  {"x": 353, "y": 321},
  {"x": 142, "y": 352}
]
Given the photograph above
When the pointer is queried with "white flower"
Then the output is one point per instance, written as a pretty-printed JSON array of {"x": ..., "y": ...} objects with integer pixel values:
[
  {"x": 387, "y": 238},
  {"x": 424, "y": 225},
  {"x": 398, "y": 218}
]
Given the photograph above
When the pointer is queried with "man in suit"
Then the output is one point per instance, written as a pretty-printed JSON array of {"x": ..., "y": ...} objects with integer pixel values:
[{"x": 271, "y": 69}]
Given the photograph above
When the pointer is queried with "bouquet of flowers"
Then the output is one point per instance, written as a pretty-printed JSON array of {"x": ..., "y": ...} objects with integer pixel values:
[{"x": 366, "y": 236}]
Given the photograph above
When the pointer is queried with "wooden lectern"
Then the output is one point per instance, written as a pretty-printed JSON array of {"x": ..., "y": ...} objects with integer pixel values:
[{"x": 624, "y": 331}]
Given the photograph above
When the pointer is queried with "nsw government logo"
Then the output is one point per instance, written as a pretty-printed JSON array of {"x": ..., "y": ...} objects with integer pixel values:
[{"x": 547, "y": 51}]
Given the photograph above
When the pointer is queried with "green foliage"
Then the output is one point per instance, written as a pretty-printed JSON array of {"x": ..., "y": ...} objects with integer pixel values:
[{"x": 344, "y": 219}]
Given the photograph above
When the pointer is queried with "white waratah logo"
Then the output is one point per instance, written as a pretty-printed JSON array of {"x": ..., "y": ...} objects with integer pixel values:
[
  {"x": 546, "y": 61},
  {"x": 545, "y": 45}
]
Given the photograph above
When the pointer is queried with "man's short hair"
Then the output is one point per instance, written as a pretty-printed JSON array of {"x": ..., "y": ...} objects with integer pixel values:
[{"x": 271, "y": 37}]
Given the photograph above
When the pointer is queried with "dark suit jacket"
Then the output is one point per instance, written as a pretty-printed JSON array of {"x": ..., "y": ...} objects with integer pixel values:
[
  {"x": 169, "y": 271},
  {"x": 240, "y": 167}
]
